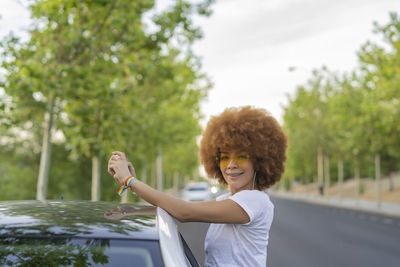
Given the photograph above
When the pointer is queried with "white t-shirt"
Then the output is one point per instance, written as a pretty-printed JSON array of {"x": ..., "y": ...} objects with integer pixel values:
[{"x": 229, "y": 245}]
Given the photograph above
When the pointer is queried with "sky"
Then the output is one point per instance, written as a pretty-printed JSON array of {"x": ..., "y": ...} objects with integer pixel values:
[{"x": 248, "y": 46}]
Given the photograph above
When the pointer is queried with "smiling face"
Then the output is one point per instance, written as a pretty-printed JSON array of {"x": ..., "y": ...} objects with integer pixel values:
[{"x": 237, "y": 169}]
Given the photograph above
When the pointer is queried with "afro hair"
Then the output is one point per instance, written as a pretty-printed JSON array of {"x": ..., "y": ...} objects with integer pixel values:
[{"x": 250, "y": 130}]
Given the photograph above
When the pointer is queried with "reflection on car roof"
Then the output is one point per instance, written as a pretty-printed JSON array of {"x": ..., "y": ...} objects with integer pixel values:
[{"x": 78, "y": 219}]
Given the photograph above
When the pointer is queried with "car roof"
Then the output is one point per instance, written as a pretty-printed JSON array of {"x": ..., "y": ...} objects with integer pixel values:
[{"x": 80, "y": 219}]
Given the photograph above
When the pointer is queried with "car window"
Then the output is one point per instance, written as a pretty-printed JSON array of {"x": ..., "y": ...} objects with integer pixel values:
[
  {"x": 188, "y": 253},
  {"x": 17, "y": 251},
  {"x": 197, "y": 189}
]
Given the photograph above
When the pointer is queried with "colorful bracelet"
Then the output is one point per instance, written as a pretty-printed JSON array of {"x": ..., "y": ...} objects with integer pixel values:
[
  {"x": 122, "y": 210},
  {"x": 128, "y": 182}
]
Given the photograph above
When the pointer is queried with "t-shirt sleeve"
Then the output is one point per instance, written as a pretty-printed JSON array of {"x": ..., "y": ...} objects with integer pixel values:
[{"x": 254, "y": 203}]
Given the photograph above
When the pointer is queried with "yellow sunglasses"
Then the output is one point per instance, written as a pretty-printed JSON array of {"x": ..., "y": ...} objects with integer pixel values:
[{"x": 240, "y": 159}]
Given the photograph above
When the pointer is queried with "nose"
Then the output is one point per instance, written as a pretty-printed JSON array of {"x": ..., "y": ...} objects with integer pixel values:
[{"x": 232, "y": 164}]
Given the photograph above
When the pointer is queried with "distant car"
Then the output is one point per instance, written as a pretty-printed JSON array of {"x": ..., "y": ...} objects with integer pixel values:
[
  {"x": 197, "y": 192},
  {"x": 84, "y": 233}
]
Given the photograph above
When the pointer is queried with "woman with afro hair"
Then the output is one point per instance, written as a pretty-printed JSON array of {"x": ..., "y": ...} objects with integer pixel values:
[{"x": 244, "y": 148}]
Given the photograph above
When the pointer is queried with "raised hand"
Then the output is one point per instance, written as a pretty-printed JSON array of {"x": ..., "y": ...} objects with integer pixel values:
[{"x": 119, "y": 168}]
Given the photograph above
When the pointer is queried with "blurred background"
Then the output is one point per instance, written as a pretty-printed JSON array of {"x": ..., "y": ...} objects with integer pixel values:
[{"x": 80, "y": 79}]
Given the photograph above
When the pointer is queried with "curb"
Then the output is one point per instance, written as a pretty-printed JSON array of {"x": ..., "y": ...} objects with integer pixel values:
[{"x": 386, "y": 208}]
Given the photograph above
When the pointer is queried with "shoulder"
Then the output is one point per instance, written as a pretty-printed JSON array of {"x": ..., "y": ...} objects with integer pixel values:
[
  {"x": 252, "y": 196},
  {"x": 255, "y": 203},
  {"x": 223, "y": 197}
]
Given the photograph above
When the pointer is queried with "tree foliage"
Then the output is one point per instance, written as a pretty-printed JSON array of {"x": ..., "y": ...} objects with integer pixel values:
[
  {"x": 121, "y": 75},
  {"x": 352, "y": 116}
]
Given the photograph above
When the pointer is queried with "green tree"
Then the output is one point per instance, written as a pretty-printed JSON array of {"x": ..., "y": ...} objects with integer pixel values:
[
  {"x": 379, "y": 65},
  {"x": 306, "y": 124},
  {"x": 354, "y": 118},
  {"x": 105, "y": 79}
]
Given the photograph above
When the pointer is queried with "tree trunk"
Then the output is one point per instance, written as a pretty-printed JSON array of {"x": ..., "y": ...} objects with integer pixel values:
[
  {"x": 153, "y": 174},
  {"x": 327, "y": 172},
  {"x": 340, "y": 176},
  {"x": 45, "y": 155},
  {"x": 391, "y": 182},
  {"x": 95, "y": 178},
  {"x": 196, "y": 174},
  {"x": 176, "y": 182},
  {"x": 124, "y": 198},
  {"x": 160, "y": 182},
  {"x": 320, "y": 169},
  {"x": 291, "y": 181},
  {"x": 378, "y": 179},
  {"x": 143, "y": 178},
  {"x": 357, "y": 179}
]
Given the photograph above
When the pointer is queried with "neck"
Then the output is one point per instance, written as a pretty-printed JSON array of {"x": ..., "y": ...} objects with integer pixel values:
[{"x": 236, "y": 190}]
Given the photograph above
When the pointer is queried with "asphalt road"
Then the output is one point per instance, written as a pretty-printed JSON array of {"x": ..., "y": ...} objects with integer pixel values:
[{"x": 309, "y": 235}]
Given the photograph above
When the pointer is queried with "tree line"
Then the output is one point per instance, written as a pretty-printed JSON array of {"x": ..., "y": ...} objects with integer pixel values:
[
  {"x": 93, "y": 77},
  {"x": 347, "y": 125}
]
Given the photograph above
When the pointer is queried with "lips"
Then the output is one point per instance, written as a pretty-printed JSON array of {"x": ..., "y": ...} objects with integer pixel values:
[{"x": 234, "y": 174}]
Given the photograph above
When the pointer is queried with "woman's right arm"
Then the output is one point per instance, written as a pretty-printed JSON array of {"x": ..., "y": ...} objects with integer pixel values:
[{"x": 225, "y": 211}]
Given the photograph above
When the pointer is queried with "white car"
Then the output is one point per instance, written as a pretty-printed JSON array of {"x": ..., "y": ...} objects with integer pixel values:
[{"x": 197, "y": 192}]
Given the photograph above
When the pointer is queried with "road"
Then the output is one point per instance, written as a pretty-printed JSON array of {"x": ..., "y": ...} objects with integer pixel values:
[{"x": 309, "y": 235}]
